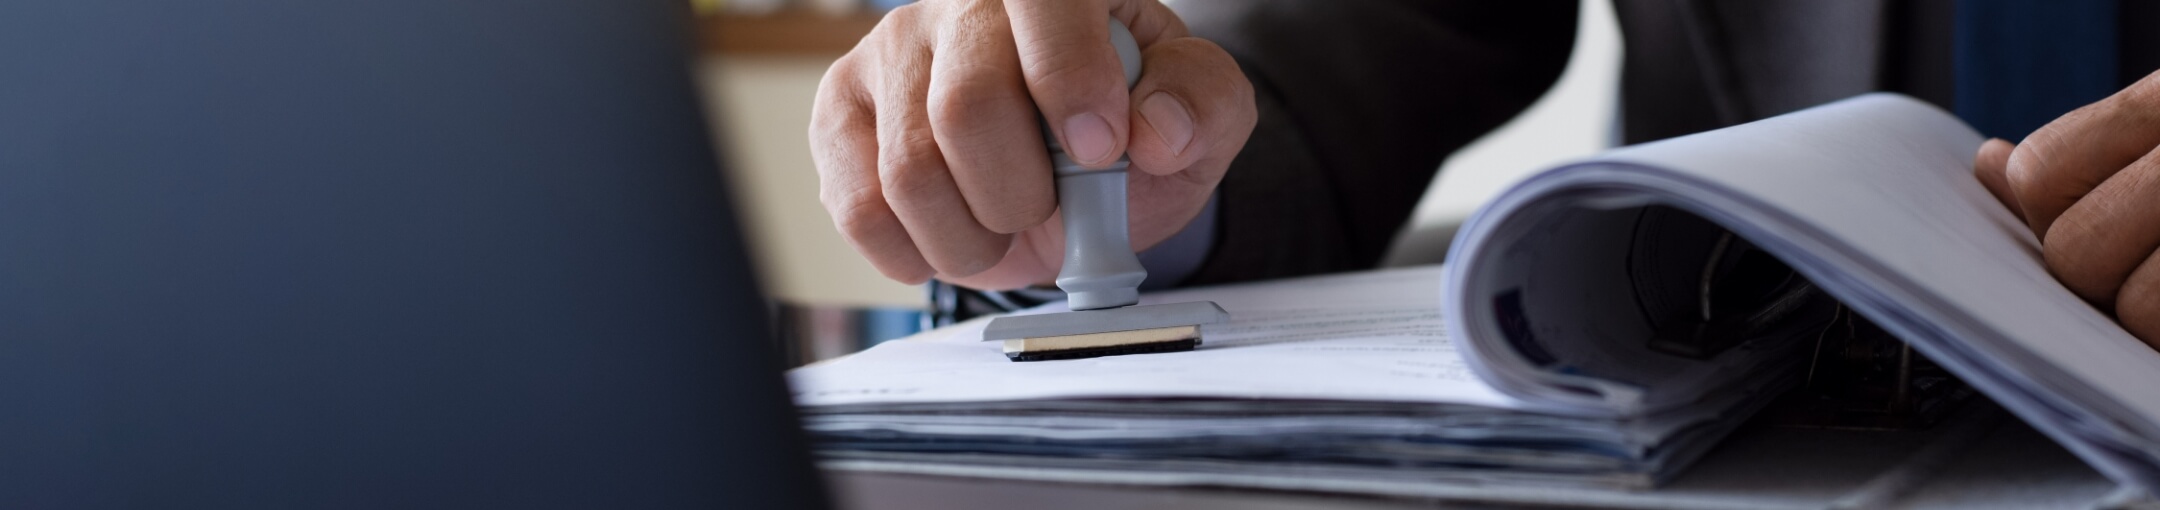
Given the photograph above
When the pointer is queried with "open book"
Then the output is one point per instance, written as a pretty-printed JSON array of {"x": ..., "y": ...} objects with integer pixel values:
[{"x": 1599, "y": 325}]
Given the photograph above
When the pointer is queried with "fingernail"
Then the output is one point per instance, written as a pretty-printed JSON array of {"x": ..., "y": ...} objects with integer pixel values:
[
  {"x": 1087, "y": 138},
  {"x": 1171, "y": 121}
]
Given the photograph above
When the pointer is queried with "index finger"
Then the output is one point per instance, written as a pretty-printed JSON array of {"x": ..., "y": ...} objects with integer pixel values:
[{"x": 1990, "y": 165}]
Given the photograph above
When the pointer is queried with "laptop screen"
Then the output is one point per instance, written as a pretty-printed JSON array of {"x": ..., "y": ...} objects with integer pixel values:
[{"x": 374, "y": 254}]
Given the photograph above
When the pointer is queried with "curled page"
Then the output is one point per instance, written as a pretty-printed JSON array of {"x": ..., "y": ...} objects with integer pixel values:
[{"x": 1872, "y": 199}]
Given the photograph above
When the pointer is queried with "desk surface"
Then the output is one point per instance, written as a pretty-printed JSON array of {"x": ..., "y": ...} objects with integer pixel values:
[{"x": 885, "y": 491}]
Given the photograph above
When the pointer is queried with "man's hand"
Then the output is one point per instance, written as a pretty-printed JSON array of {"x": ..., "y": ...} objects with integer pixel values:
[
  {"x": 930, "y": 159},
  {"x": 2089, "y": 185}
]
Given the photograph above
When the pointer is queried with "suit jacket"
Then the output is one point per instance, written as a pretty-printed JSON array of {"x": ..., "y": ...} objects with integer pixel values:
[{"x": 1361, "y": 100}]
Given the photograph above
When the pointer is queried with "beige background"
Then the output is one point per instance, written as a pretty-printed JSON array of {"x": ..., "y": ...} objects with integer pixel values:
[{"x": 761, "y": 109}]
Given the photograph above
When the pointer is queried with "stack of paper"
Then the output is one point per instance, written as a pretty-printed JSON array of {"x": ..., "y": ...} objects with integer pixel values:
[
  {"x": 1556, "y": 367},
  {"x": 1341, "y": 382},
  {"x": 1872, "y": 199}
]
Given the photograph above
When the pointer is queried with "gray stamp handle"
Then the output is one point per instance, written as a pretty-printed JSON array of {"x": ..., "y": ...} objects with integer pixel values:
[{"x": 1100, "y": 270}]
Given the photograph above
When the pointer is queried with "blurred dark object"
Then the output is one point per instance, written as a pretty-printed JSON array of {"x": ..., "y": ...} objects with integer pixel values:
[
  {"x": 2020, "y": 64},
  {"x": 953, "y": 304},
  {"x": 401, "y": 254},
  {"x": 809, "y": 333},
  {"x": 1705, "y": 289},
  {"x": 1860, "y": 377}
]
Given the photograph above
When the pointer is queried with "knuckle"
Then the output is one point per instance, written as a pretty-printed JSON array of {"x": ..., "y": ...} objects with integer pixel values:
[
  {"x": 1066, "y": 75},
  {"x": 2138, "y": 299},
  {"x": 910, "y": 167},
  {"x": 890, "y": 31},
  {"x": 2138, "y": 307},
  {"x": 1052, "y": 69},
  {"x": 843, "y": 69},
  {"x": 909, "y": 186},
  {"x": 832, "y": 150},
  {"x": 1229, "y": 97},
  {"x": 2029, "y": 171},
  {"x": 2066, "y": 257},
  {"x": 979, "y": 21},
  {"x": 838, "y": 106},
  {"x": 854, "y": 211},
  {"x": 973, "y": 111},
  {"x": 907, "y": 14},
  {"x": 829, "y": 120}
]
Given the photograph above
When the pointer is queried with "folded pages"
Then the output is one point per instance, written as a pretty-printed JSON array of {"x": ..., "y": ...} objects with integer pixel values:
[{"x": 1544, "y": 355}]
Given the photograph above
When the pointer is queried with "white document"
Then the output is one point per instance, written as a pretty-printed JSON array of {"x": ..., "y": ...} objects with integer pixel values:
[
  {"x": 1362, "y": 337},
  {"x": 1873, "y": 199},
  {"x": 1536, "y": 345}
]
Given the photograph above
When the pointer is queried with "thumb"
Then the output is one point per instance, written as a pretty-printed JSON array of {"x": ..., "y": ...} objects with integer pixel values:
[
  {"x": 1193, "y": 105},
  {"x": 1074, "y": 75},
  {"x": 1992, "y": 166}
]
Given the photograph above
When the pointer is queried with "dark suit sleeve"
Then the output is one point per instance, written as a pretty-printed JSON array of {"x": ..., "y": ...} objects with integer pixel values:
[{"x": 1359, "y": 102}]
